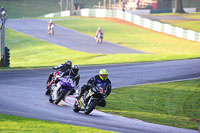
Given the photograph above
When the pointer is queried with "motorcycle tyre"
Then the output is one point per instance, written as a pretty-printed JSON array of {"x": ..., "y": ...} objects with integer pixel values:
[
  {"x": 48, "y": 92},
  {"x": 52, "y": 32},
  {"x": 76, "y": 108},
  {"x": 60, "y": 97},
  {"x": 90, "y": 109},
  {"x": 100, "y": 40}
]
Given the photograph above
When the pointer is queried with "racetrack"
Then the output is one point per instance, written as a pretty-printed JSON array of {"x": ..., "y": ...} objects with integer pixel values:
[
  {"x": 66, "y": 37},
  {"x": 22, "y": 93}
]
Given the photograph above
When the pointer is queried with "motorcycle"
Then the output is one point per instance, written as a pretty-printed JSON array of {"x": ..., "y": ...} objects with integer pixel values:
[
  {"x": 90, "y": 99},
  {"x": 50, "y": 83},
  {"x": 99, "y": 38},
  {"x": 51, "y": 30},
  {"x": 66, "y": 86}
]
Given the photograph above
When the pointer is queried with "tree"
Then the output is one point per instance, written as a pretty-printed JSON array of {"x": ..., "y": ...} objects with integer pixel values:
[{"x": 179, "y": 6}]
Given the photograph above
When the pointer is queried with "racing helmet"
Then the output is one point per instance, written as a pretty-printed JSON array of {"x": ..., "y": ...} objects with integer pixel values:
[
  {"x": 103, "y": 74},
  {"x": 50, "y": 21},
  {"x": 99, "y": 28},
  {"x": 68, "y": 64},
  {"x": 75, "y": 69}
]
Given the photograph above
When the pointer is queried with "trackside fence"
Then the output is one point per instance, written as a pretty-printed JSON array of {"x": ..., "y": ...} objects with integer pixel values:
[{"x": 135, "y": 19}]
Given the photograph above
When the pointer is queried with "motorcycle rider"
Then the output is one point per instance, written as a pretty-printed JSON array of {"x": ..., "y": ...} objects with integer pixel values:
[
  {"x": 50, "y": 24},
  {"x": 74, "y": 73},
  {"x": 71, "y": 72},
  {"x": 99, "y": 31},
  {"x": 61, "y": 68},
  {"x": 97, "y": 79}
]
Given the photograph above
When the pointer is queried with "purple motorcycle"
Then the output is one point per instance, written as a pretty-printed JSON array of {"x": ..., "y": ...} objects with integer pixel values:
[{"x": 66, "y": 86}]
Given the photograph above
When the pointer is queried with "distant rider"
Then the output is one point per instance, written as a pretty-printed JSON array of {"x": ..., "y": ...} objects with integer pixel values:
[
  {"x": 62, "y": 68},
  {"x": 50, "y": 25},
  {"x": 98, "y": 79},
  {"x": 2, "y": 11},
  {"x": 73, "y": 72},
  {"x": 99, "y": 31}
]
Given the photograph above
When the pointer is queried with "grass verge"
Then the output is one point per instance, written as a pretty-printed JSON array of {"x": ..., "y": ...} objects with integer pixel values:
[
  {"x": 186, "y": 24},
  {"x": 130, "y": 35},
  {"x": 174, "y": 104},
  {"x": 10, "y": 123},
  {"x": 27, "y": 51}
]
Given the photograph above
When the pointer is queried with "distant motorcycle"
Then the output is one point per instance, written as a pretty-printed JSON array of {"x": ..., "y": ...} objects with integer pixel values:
[
  {"x": 51, "y": 30},
  {"x": 90, "y": 99},
  {"x": 66, "y": 87},
  {"x": 99, "y": 38}
]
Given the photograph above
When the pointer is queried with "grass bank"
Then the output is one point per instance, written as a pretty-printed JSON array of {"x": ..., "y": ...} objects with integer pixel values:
[
  {"x": 130, "y": 35},
  {"x": 27, "y": 51},
  {"x": 35, "y": 8},
  {"x": 29, "y": 8},
  {"x": 174, "y": 104},
  {"x": 190, "y": 22},
  {"x": 10, "y": 123}
]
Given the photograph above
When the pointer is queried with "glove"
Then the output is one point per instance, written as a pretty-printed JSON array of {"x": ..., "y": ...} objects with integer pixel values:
[
  {"x": 57, "y": 76},
  {"x": 89, "y": 85}
]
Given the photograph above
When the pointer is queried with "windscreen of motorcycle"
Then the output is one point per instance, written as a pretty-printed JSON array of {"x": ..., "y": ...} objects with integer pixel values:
[
  {"x": 67, "y": 82},
  {"x": 101, "y": 87}
]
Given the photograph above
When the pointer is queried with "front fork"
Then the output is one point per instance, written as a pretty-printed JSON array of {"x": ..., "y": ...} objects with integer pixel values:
[{"x": 55, "y": 91}]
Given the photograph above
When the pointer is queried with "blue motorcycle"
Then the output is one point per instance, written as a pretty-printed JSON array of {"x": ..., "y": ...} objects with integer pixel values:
[{"x": 66, "y": 86}]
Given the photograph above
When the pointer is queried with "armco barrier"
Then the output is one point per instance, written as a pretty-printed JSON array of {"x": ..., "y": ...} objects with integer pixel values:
[
  {"x": 144, "y": 22},
  {"x": 62, "y": 14}
]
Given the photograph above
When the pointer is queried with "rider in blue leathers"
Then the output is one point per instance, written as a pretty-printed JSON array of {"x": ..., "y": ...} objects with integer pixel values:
[{"x": 101, "y": 78}]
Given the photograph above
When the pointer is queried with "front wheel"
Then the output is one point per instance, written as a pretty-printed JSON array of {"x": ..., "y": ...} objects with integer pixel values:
[
  {"x": 48, "y": 92},
  {"x": 101, "y": 40},
  {"x": 61, "y": 95},
  {"x": 90, "y": 106},
  {"x": 52, "y": 32}
]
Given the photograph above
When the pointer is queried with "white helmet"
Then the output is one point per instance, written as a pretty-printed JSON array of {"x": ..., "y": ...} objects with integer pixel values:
[
  {"x": 50, "y": 21},
  {"x": 99, "y": 28}
]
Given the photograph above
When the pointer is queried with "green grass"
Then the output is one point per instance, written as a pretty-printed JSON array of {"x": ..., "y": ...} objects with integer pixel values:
[
  {"x": 190, "y": 25},
  {"x": 29, "y": 8},
  {"x": 134, "y": 37},
  {"x": 174, "y": 104},
  {"x": 10, "y": 123},
  {"x": 186, "y": 24},
  {"x": 195, "y": 15},
  {"x": 35, "y": 8},
  {"x": 27, "y": 51}
]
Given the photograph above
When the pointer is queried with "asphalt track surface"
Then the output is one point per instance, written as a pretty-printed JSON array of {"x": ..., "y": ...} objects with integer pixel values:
[
  {"x": 66, "y": 37},
  {"x": 22, "y": 93}
]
